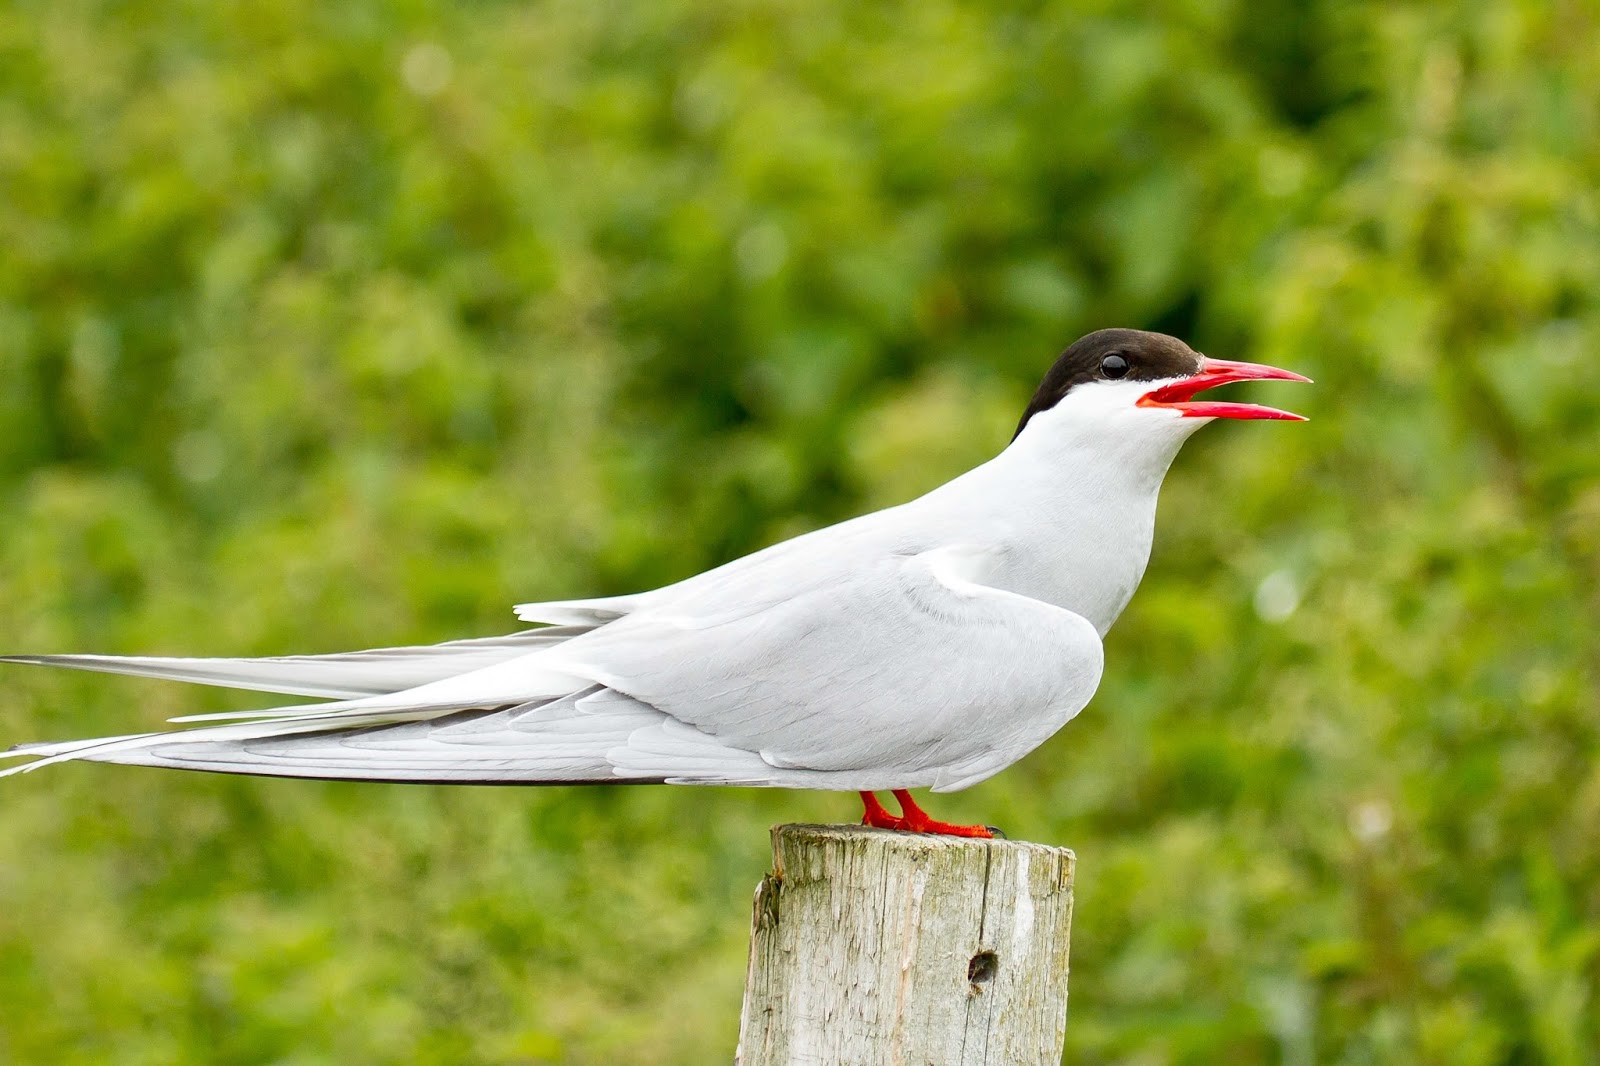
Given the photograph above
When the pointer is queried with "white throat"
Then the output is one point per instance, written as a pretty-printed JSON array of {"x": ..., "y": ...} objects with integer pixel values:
[{"x": 1074, "y": 498}]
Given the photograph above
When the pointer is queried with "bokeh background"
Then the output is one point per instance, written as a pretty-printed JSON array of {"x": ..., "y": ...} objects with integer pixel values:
[{"x": 340, "y": 325}]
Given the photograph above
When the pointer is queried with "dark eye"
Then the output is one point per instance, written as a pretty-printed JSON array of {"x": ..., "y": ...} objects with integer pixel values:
[{"x": 1113, "y": 366}]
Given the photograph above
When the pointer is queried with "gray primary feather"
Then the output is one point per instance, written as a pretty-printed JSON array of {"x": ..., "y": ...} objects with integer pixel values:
[{"x": 549, "y": 741}]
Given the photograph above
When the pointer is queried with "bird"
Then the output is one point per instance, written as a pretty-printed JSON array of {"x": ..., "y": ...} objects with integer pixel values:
[{"x": 928, "y": 645}]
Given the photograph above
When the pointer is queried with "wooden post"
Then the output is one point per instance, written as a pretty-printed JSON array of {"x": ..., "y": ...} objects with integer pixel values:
[{"x": 874, "y": 947}]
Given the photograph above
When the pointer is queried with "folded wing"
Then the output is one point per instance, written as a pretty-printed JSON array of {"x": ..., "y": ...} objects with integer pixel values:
[{"x": 902, "y": 671}]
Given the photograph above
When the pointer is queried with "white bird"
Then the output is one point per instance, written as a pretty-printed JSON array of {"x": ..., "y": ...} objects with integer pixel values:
[{"x": 927, "y": 645}]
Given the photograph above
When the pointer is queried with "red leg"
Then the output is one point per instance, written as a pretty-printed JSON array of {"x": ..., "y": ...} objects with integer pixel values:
[
  {"x": 876, "y": 816},
  {"x": 916, "y": 820}
]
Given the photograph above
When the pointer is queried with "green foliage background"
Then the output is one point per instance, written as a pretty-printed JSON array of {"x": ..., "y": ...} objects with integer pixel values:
[{"x": 339, "y": 325}]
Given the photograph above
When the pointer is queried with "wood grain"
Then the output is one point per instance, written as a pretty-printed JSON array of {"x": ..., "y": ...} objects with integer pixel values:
[{"x": 873, "y": 947}]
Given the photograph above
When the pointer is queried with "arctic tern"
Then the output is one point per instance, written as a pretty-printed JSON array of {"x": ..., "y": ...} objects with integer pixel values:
[{"x": 927, "y": 645}]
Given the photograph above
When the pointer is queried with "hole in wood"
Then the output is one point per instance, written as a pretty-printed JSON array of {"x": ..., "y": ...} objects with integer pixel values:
[{"x": 981, "y": 969}]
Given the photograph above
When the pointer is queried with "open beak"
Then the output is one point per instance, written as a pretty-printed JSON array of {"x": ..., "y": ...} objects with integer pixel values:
[{"x": 1214, "y": 372}]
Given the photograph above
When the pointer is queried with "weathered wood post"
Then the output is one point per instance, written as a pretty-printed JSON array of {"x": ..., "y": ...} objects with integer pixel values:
[{"x": 874, "y": 947}]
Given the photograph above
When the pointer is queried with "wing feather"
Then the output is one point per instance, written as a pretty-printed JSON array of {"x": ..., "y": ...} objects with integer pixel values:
[{"x": 904, "y": 669}]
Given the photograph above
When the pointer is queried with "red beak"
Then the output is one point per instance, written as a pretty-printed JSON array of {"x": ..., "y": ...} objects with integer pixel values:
[{"x": 1214, "y": 372}]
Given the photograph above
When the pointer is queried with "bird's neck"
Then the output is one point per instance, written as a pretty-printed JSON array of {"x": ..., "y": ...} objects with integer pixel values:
[{"x": 1073, "y": 517}]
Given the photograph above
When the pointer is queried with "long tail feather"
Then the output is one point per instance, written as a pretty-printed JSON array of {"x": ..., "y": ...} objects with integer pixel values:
[
  {"x": 104, "y": 749},
  {"x": 344, "y": 675}
]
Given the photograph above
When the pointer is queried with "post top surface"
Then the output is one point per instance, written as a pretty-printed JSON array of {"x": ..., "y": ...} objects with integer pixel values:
[{"x": 865, "y": 836}]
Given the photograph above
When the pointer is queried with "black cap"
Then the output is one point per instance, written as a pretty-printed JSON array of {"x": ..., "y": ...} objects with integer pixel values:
[{"x": 1143, "y": 357}]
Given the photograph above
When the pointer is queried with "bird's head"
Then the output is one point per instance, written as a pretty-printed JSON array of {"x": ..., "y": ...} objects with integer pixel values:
[{"x": 1129, "y": 386}]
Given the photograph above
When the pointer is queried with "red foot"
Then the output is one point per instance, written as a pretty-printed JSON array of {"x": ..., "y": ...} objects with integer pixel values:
[{"x": 914, "y": 819}]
